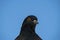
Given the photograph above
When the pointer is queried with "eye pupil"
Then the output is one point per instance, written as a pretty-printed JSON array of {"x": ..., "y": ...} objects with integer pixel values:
[{"x": 32, "y": 19}]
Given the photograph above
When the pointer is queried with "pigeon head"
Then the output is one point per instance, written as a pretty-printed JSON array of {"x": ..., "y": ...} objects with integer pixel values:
[
  {"x": 30, "y": 23},
  {"x": 31, "y": 19}
]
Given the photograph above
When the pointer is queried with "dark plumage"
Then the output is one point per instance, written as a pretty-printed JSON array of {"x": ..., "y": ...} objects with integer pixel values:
[{"x": 28, "y": 29}]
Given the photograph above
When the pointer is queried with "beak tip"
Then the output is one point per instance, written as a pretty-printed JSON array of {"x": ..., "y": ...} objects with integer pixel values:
[{"x": 37, "y": 22}]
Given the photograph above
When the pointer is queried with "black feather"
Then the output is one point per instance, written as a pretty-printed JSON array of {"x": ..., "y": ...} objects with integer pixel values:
[{"x": 28, "y": 30}]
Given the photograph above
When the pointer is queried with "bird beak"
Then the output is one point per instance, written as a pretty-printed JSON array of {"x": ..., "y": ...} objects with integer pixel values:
[{"x": 35, "y": 22}]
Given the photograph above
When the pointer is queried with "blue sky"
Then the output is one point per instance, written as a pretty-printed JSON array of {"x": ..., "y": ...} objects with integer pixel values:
[{"x": 13, "y": 13}]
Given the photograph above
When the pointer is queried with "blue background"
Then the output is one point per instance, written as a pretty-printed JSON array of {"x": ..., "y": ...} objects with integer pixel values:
[{"x": 13, "y": 12}]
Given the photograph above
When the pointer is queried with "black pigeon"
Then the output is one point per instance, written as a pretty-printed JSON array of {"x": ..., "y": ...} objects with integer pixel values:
[{"x": 28, "y": 29}]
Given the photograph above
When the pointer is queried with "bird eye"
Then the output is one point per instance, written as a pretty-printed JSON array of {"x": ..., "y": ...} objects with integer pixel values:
[{"x": 32, "y": 19}]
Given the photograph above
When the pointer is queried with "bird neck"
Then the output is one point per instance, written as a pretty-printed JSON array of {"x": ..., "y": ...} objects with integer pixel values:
[{"x": 28, "y": 28}]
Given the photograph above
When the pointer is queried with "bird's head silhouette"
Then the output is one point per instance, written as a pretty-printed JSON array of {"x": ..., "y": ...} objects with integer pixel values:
[
  {"x": 29, "y": 23},
  {"x": 31, "y": 19}
]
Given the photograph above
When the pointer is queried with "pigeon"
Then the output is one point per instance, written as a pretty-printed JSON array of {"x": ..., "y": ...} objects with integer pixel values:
[{"x": 28, "y": 29}]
